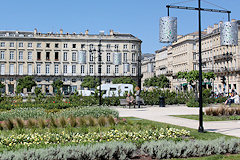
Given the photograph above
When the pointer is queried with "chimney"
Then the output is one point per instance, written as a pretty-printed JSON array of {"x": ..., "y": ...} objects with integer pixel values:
[
  {"x": 111, "y": 32},
  {"x": 221, "y": 22},
  {"x": 205, "y": 30},
  {"x": 209, "y": 29},
  {"x": 86, "y": 32},
  {"x": 61, "y": 31},
  {"x": 35, "y": 30},
  {"x": 215, "y": 26},
  {"x": 233, "y": 20}
]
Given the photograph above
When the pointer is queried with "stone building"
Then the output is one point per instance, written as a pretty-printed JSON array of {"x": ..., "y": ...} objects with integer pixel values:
[
  {"x": 147, "y": 66},
  {"x": 65, "y": 56}
]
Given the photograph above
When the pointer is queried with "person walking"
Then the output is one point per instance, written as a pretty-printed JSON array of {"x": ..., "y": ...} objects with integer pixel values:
[{"x": 137, "y": 94}]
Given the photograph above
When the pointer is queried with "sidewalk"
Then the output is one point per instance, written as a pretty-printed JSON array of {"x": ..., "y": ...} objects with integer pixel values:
[{"x": 161, "y": 114}]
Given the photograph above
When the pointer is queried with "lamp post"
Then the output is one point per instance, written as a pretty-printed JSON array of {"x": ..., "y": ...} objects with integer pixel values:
[
  {"x": 228, "y": 57},
  {"x": 168, "y": 33}
]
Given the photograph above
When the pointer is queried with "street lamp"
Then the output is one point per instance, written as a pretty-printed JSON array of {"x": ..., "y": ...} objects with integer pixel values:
[
  {"x": 168, "y": 34},
  {"x": 227, "y": 57}
]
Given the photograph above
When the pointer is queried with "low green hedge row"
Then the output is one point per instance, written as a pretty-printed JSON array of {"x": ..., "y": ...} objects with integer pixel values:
[
  {"x": 27, "y": 113},
  {"x": 120, "y": 150}
]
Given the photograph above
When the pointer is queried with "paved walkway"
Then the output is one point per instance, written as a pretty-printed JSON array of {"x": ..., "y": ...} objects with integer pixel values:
[{"x": 161, "y": 114}]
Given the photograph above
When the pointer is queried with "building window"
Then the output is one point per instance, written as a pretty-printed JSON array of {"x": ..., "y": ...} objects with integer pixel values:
[
  {"x": 30, "y": 45},
  {"x": 125, "y": 57},
  {"x": 74, "y": 69},
  {"x": 47, "y": 45},
  {"x": 2, "y": 55},
  {"x": 108, "y": 57},
  {"x": 20, "y": 44},
  {"x": 20, "y": 55},
  {"x": 29, "y": 69},
  {"x": 56, "y": 56},
  {"x": 2, "y": 69},
  {"x": 29, "y": 55},
  {"x": 20, "y": 69},
  {"x": 91, "y": 69},
  {"x": 116, "y": 69},
  {"x": 47, "y": 55},
  {"x": 56, "y": 45},
  {"x": 38, "y": 55},
  {"x": 64, "y": 69},
  {"x": 99, "y": 68},
  {"x": 108, "y": 81},
  {"x": 39, "y": 45},
  {"x": 133, "y": 57},
  {"x": 116, "y": 46},
  {"x": 11, "y": 68},
  {"x": 82, "y": 46},
  {"x": 56, "y": 68},
  {"x": 2, "y": 44},
  {"x": 47, "y": 68},
  {"x": 91, "y": 46},
  {"x": 65, "y": 56},
  {"x": 108, "y": 46},
  {"x": 108, "y": 69},
  {"x": 11, "y": 56},
  {"x": 65, "y": 45},
  {"x": 133, "y": 46},
  {"x": 38, "y": 68},
  {"x": 82, "y": 69},
  {"x": 91, "y": 57},
  {"x": 74, "y": 56},
  {"x": 133, "y": 70},
  {"x": 11, "y": 44},
  {"x": 74, "y": 45},
  {"x": 125, "y": 46}
]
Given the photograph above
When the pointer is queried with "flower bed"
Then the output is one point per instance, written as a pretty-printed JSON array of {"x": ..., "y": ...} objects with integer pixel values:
[
  {"x": 26, "y": 113},
  {"x": 28, "y": 140}
]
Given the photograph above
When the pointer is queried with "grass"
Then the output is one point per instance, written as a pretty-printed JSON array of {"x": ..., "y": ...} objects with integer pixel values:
[
  {"x": 209, "y": 118},
  {"x": 215, "y": 157}
]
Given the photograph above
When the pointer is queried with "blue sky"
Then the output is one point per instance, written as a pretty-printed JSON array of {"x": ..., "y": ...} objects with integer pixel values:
[{"x": 138, "y": 17}]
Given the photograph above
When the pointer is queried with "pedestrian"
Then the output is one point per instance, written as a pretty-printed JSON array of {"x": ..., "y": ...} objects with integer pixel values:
[{"x": 137, "y": 94}]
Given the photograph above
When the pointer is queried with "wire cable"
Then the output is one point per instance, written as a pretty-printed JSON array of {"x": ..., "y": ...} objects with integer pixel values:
[
  {"x": 182, "y": 2},
  {"x": 214, "y": 5}
]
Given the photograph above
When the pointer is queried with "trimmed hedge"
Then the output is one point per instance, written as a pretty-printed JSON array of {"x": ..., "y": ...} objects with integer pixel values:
[
  {"x": 169, "y": 149},
  {"x": 120, "y": 150},
  {"x": 104, "y": 151}
]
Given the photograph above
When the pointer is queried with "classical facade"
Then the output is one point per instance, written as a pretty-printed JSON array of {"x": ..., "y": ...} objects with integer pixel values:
[
  {"x": 183, "y": 56},
  {"x": 147, "y": 66},
  {"x": 69, "y": 57}
]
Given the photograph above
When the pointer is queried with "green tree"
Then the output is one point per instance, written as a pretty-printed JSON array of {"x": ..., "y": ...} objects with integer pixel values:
[
  {"x": 209, "y": 75},
  {"x": 58, "y": 84},
  {"x": 90, "y": 82},
  {"x": 1, "y": 85},
  {"x": 25, "y": 82},
  {"x": 124, "y": 80},
  {"x": 160, "y": 81}
]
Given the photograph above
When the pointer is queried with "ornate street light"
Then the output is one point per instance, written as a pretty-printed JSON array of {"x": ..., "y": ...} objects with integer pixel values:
[{"x": 168, "y": 34}]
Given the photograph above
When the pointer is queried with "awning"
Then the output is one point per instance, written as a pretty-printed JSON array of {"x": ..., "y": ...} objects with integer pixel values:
[{"x": 184, "y": 84}]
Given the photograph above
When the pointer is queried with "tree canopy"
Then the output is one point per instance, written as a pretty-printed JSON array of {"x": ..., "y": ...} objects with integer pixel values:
[
  {"x": 160, "y": 81},
  {"x": 25, "y": 82},
  {"x": 193, "y": 76},
  {"x": 90, "y": 82},
  {"x": 124, "y": 80},
  {"x": 1, "y": 85},
  {"x": 57, "y": 84}
]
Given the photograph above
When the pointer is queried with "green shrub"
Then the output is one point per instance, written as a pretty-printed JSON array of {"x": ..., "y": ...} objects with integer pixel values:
[
  {"x": 104, "y": 151},
  {"x": 169, "y": 149}
]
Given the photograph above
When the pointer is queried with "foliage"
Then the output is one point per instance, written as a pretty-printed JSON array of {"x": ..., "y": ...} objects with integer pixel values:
[
  {"x": 29, "y": 140},
  {"x": 222, "y": 111},
  {"x": 209, "y": 118},
  {"x": 25, "y": 82},
  {"x": 1, "y": 85},
  {"x": 58, "y": 84},
  {"x": 160, "y": 81},
  {"x": 90, "y": 82},
  {"x": 104, "y": 151},
  {"x": 170, "y": 149},
  {"x": 27, "y": 113},
  {"x": 124, "y": 80}
]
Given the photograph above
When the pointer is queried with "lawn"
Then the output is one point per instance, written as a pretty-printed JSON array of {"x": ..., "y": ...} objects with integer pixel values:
[{"x": 209, "y": 118}]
